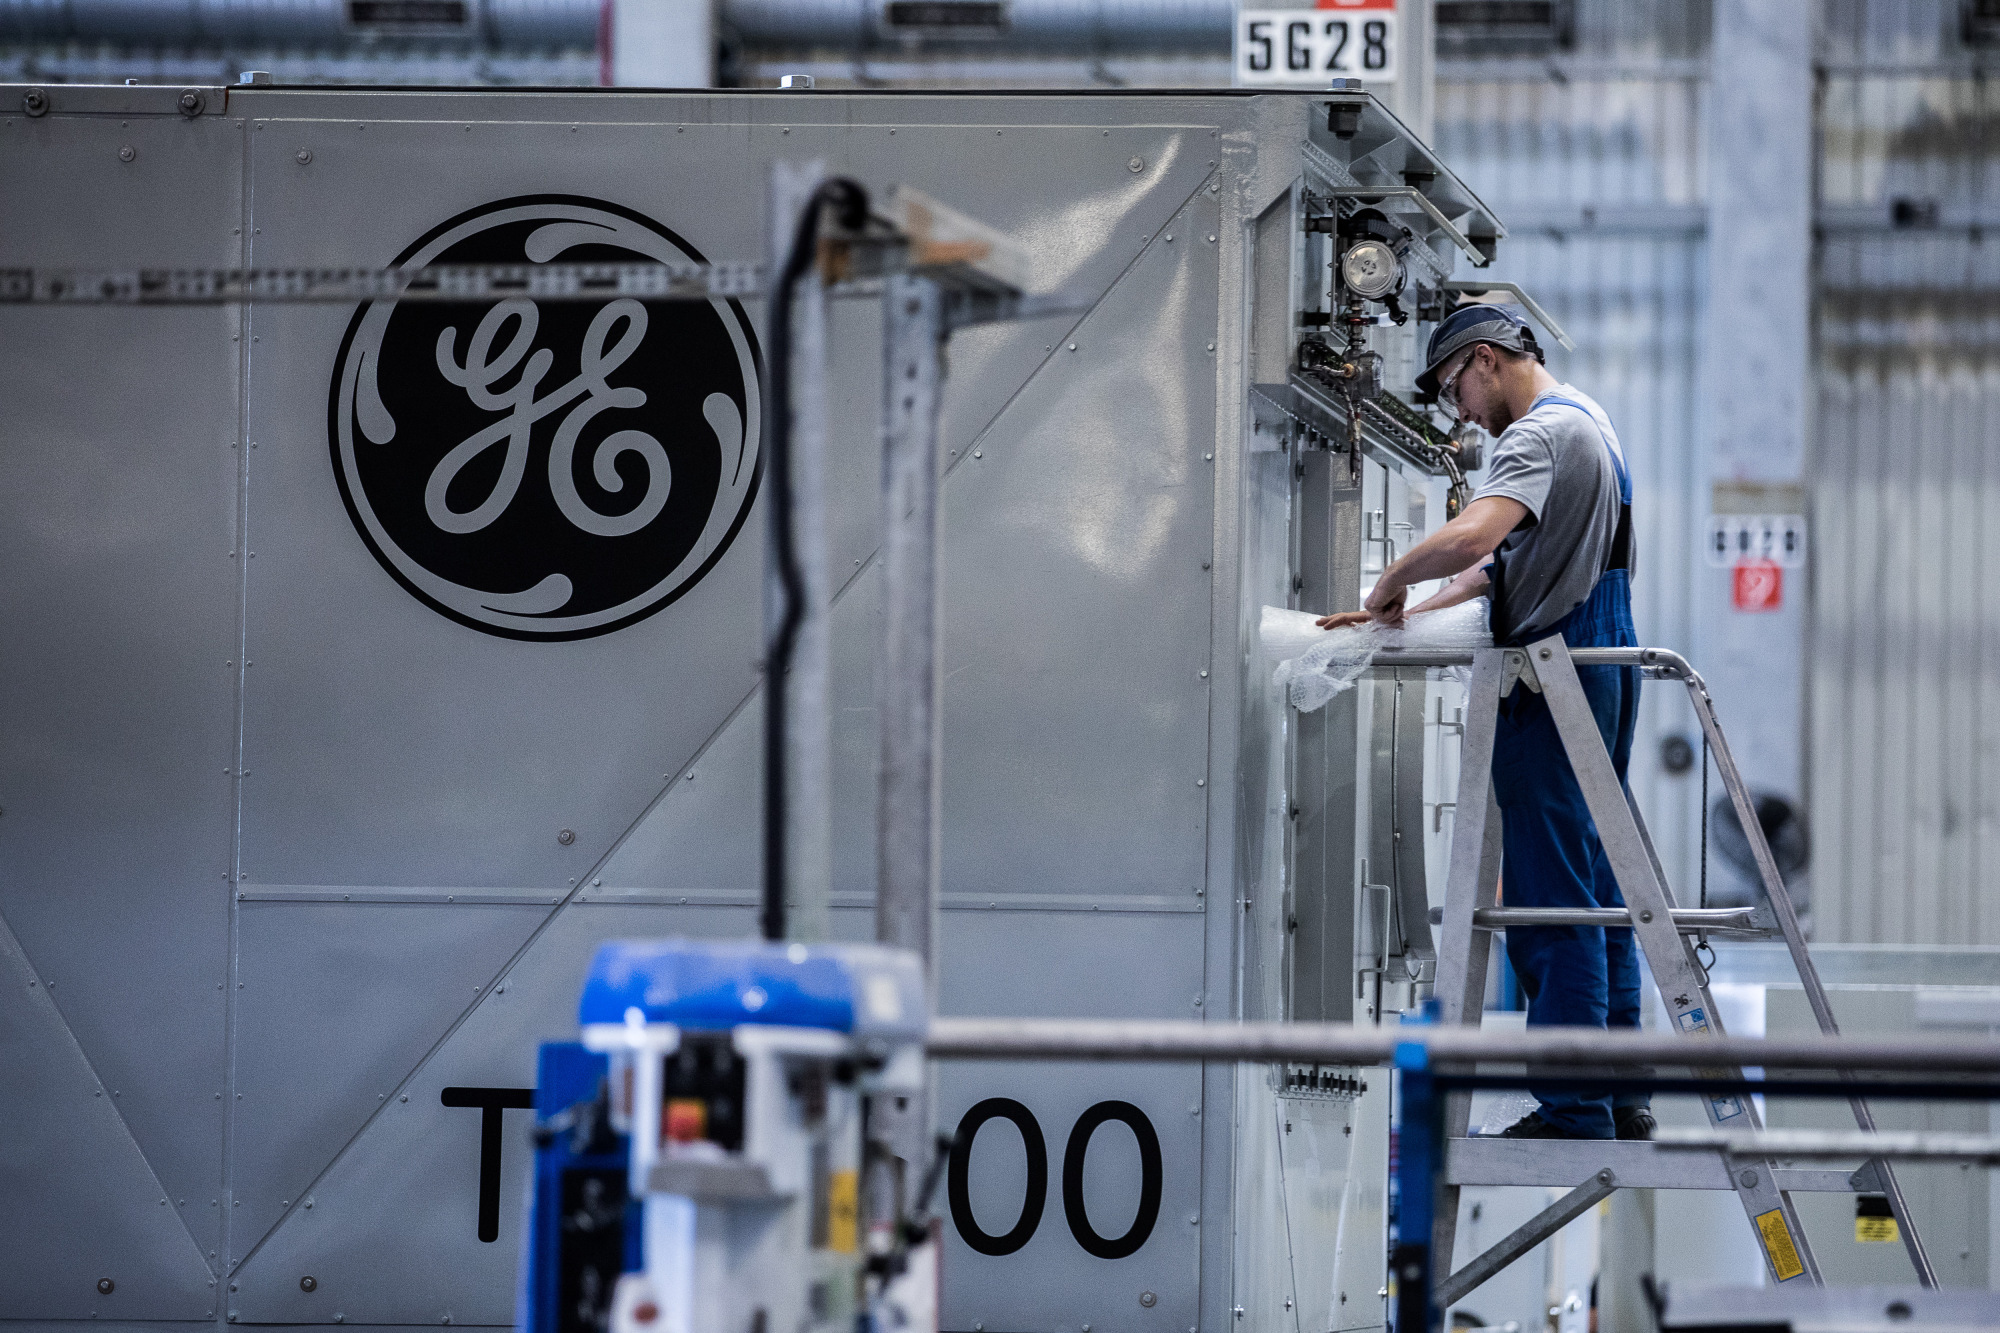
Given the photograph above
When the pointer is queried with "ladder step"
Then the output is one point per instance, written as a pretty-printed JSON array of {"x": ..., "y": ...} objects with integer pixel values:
[
  {"x": 1566, "y": 1163},
  {"x": 1690, "y": 920}
]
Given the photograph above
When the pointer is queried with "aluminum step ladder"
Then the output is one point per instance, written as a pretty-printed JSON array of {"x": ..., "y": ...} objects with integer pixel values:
[{"x": 1595, "y": 1169}]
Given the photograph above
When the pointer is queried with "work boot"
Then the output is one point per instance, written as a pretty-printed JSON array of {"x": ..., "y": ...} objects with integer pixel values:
[
  {"x": 1634, "y": 1122},
  {"x": 1532, "y": 1126}
]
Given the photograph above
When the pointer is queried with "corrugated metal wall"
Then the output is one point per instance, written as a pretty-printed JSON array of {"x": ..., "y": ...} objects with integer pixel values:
[
  {"x": 1905, "y": 733},
  {"x": 1598, "y": 174}
]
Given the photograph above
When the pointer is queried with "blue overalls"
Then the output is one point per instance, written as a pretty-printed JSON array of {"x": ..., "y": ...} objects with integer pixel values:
[{"x": 1573, "y": 976}]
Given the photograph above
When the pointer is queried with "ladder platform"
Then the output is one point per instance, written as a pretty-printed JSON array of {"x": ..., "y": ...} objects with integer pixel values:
[
  {"x": 1688, "y": 920},
  {"x": 1566, "y": 1163}
]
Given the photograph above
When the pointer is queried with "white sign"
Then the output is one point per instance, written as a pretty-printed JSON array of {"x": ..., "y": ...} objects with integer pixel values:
[
  {"x": 1736, "y": 538},
  {"x": 1308, "y": 48}
]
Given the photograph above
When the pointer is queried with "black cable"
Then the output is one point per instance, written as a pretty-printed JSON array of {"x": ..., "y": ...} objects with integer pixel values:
[{"x": 850, "y": 204}]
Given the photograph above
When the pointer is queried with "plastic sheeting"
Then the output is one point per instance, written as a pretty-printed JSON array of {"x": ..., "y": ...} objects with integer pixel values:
[{"x": 1315, "y": 664}]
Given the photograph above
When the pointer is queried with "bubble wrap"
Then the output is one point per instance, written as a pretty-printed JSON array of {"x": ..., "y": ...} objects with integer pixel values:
[{"x": 1316, "y": 664}]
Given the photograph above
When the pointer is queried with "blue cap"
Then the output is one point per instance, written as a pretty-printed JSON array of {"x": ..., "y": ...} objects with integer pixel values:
[
  {"x": 716, "y": 985},
  {"x": 1471, "y": 324}
]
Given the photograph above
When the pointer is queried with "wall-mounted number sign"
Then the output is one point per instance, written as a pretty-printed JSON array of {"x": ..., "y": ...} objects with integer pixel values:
[
  {"x": 1777, "y": 538},
  {"x": 1307, "y": 48}
]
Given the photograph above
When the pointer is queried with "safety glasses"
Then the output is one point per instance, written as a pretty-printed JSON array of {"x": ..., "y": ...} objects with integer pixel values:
[{"x": 1448, "y": 388}]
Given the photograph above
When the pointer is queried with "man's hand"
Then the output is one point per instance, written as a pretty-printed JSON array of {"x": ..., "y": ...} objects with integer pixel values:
[
  {"x": 1343, "y": 619},
  {"x": 1385, "y": 604}
]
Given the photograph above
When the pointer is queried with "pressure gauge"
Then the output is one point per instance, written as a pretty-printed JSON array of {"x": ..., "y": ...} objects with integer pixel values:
[{"x": 1371, "y": 270}]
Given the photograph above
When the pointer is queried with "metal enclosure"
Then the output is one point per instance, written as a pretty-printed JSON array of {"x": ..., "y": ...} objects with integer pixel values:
[{"x": 313, "y": 816}]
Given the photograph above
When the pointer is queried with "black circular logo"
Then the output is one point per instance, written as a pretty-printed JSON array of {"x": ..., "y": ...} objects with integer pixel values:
[{"x": 547, "y": 471}]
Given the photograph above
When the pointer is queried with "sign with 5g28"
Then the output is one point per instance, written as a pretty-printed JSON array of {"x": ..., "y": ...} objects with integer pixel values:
[{"x": 1306, "y": 48}]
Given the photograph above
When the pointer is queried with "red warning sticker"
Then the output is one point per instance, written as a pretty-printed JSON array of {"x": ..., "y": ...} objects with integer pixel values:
[{"x": 1758, "y": 585}]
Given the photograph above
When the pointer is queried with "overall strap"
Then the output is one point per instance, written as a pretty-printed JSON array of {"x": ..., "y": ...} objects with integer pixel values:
[{"x": 1621, "y": 541}]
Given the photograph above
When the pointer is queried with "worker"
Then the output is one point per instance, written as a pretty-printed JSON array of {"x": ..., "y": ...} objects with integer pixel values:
[{"x": 1547, "y": 538}]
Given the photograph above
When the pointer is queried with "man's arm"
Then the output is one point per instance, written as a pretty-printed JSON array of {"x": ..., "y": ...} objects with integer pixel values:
[
  {"x": 1472, "y": 583},
  {"x": 1457, "y": 546}
]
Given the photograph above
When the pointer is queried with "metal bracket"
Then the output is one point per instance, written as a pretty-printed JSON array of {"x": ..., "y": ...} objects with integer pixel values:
[
  {"x": 1376, "y": 194},
  {"x": 1527, "y": 1236},
  {"x": 1513, "y": 289},
  {"x": 1515, "y": 666}
]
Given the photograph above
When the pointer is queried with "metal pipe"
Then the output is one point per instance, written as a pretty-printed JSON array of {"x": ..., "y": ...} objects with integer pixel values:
[
  {"x": 487, "y": 25},
  {"x": 1838, "y": 1144},
  {"x": 1690, "y": 920},
  {"x": 1346, "y": 1044},
  {"x": 1105, "y": 27},
  {"x": 907, "y": 676},
  {"x": 1100, "y": 28}
]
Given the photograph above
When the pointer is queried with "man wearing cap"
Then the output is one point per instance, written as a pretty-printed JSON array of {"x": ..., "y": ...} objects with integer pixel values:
[{"x": 1547, "y": 537}]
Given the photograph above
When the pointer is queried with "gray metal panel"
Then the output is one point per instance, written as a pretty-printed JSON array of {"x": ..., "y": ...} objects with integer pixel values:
[
  {"x": 1950, "y": 1204},
  {"x": 118, "y": 499},
  {"x": 1094, "y": 491},
  {"x": 366, "y": 712},
  {"x": 1904, "y": 714},
  {"x": 1125, "y": 964},
  {"x": 389, "y": 1229},
  {"x": 395, "y": 756},
  {"x": 1321, "y": 920},
  {"x": 336, "y": 1003},
  {"x": 73, "y": 1171}
]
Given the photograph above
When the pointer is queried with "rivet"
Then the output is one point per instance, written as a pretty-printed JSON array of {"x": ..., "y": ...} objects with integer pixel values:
[
  {"x": 1211, "y": 240},
  {"x": 1148, "y": 1299},
  {"x": 105, "y": 1286},
  {"x": 1204, "y": 673},
  {"x": 1170, "y": 237},
  {"x": 565, "y": 836},
  {"x": 127, "y": 153},
  {"x": 308, "y": 1283},
  {"x": 1545, "y": 654},
  {"x": 1136, "y": 165},
  {"x": 1211, "y": 347},
  {"x": 1201, "y": 782},
  {"x": 1645, "y": 916},
  {"x": 303, "y": 156},
  {"x": 1072, "y": 347},
  {"x": 978, "y": 454},
  {"x": 1749, "y": 1179}
]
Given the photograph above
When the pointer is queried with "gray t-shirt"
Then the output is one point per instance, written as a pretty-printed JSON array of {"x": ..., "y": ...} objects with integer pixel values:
[{"x": 1555, "y": 461}]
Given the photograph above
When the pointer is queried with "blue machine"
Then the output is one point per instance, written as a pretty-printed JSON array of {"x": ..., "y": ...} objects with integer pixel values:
[
  {"x": 699, "y": 1153},
  {"x": 584, "y": 1227}
]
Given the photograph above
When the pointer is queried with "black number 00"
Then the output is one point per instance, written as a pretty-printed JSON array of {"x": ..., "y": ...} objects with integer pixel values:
[{"x": 1035, "y": 1197}]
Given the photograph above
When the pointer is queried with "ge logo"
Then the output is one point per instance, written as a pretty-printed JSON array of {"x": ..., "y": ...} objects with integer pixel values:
[{"x": 547, "y": 471}]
